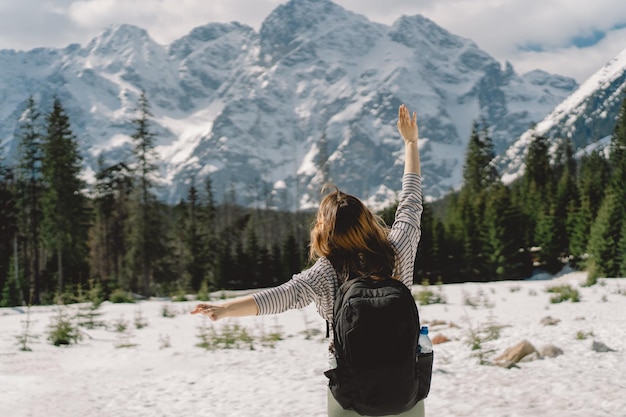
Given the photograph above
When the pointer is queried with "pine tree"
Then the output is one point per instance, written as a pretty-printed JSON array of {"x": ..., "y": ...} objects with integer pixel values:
[
  {"x": 536, "y": 192},
  {"x": 30, "y": 190},
  {"x": 209, "y": 236},
  {"x": 548, "y": 198},
  {"x": 538, "y": 171},
  {"x": 473, "y": 239},
  {"x": 617, "y": 164},
  {"x": 440, "y": 259},
  {"x": 292, "y": 259},
  {"x": 466, "y": 237},
  {"x": 621, "y": 250},
  {"x": 617, "y": 155},
  {"x": 605, "y": 237},
  {"x": 252, "y": 250},
  {"x": 453, "y": 269},
  {"x": 65, "y": 219},
  {"x": 472, "y": 170},
  {"x": 566, "y": 199},
  {"x": 479, "y": 172},
  {"x": 591, "y": 186},
  {"x": 527, "y": 222},
  {"x": 592, "y": 181},
  {"x": 579, "y": 235},
  {"x": 145, "y": 238},
  {"x": 195, "y": 262},
  {"x": 241, "y": 268},
  {"x": 505, "y": 254},
  {"x": 10, "y": 292},
  {"x": 108, "y": 237},
  {"x": 224, "y": 267},
  {"x": 267, "y": 274},
  {"x": 563, "y": 159},
  {"x": 479, "y": 175},
  {"x": 546, "y": 237},
  {"x": 178, "y": 244},
  {"x": 8, "y": 223},
  {"x": 490, "y": 172}
]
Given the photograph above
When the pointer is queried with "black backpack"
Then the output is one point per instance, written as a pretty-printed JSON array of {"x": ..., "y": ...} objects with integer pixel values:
[{"x": 376, "y": 327}]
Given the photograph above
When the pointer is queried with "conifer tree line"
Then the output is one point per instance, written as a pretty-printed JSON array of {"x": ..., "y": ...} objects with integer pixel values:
[
  {"x": 561, "y": 211},
  {"x": 59, "y": 237}
]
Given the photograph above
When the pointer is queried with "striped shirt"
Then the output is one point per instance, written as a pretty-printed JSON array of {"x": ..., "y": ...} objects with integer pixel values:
[{"x": 319, "y": 283}]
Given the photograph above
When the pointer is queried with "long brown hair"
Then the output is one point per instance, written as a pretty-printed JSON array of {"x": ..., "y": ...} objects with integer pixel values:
[{"x": 352, "y": 238}]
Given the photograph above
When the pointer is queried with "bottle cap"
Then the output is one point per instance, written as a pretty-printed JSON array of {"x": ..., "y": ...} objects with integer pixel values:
[{"x": 424, "y": 330}]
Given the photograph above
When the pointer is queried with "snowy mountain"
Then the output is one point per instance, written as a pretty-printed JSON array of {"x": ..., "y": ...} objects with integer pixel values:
[
  {"x": 587, "y": 117},
  {"x": 249, "y": 108}
]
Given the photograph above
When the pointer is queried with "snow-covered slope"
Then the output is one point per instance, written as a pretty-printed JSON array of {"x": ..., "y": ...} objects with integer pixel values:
[
  {"x": 159, "y": 370},
  {"x": 249, "y": 108},
  {"x": 587, "y": 116}
]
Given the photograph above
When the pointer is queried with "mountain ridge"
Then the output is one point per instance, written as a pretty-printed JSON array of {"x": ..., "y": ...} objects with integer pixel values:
[
  {"x": 249, "y": 108},
  {"x": 586, "y": 117}
]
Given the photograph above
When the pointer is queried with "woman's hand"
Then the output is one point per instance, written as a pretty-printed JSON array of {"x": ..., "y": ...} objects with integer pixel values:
[
  {"x": 407, "y": 126},
  {"x": 238, "y": 307},
  {"x": 214, "y": 312}
]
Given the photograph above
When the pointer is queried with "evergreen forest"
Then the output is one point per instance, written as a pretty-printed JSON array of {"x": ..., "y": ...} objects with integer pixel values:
[{"x": 62, "y": 238}]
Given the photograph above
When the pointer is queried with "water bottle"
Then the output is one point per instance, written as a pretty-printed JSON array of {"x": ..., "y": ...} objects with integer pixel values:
[{"x": 424, "y": 344}]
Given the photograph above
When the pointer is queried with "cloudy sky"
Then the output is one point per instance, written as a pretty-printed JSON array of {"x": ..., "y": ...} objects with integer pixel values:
[{"x": 568, "y": 37}]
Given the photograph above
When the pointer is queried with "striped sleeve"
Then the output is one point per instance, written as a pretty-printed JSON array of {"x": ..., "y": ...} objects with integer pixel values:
[
  {"x": 406, "y": 230},
  {"x": 316, "y": 284}
]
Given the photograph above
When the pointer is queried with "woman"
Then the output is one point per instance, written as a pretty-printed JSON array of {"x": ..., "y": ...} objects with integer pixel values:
[{"x": 347, "y": 240}]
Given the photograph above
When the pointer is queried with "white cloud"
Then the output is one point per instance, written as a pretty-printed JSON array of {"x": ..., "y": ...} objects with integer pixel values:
[
  {"x": 28, "y": 23},
  {"x": 500, "y": 27},
  {"x": 579, "y": 63},
  {"x": 167, "y": 20}
]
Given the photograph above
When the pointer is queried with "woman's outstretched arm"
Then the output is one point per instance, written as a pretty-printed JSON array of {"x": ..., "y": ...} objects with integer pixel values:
[
  {"x": 238, "y": 307},
  {"x": 407, "y": 126}
]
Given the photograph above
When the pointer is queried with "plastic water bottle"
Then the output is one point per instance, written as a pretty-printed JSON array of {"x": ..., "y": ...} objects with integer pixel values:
[{"x": 424, "y": 344}]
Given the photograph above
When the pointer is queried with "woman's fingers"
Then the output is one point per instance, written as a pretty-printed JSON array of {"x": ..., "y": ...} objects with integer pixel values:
[
  {"x": 206, "y": 309},
  {"x": 401, "y": 115},
  {"x": 404, "y": 119},
  {"x": 198, "y": 309},
  {"x": 407, "y": 124},
  {"x": 202, "y": 308}
]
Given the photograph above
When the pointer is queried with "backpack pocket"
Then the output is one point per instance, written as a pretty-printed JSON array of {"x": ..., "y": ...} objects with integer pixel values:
[
  {"x": 341, "y": 385},
  {"x": 424, "y": 371}
]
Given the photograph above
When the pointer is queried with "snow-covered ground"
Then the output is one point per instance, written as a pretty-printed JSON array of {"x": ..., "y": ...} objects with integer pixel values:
[{"x": 164, "y": 373}]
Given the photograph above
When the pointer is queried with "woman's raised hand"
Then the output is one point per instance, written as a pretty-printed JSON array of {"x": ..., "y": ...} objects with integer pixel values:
[{"x": 407, "y": 126}]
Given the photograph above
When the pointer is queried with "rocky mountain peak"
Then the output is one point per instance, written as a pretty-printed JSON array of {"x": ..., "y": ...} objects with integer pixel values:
[
  {"x": 297, "y": 21},
  {"x": 248, "y": 109},
  {"x": 118, "y": 37}
]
